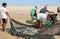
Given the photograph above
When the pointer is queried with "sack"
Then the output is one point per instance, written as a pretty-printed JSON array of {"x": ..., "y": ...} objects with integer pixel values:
[{"x": 28, "y": 21}]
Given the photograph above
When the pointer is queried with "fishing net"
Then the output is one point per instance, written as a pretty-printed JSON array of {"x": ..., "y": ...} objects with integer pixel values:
[
  {"x": 21, "y": 28},
  {"x": 28, "y": 32}
]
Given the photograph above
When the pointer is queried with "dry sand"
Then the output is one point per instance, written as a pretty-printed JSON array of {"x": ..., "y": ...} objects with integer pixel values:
[
  {"x": 57, "y": 37},
  {"x": 22, "y": 13},
  {"x": 5, "y": 35}
]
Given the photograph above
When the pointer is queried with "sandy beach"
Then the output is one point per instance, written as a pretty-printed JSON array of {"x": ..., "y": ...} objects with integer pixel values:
[{"x": 22, "y": 13}]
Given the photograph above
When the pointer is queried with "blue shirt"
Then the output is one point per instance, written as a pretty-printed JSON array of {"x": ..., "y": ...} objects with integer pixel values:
[{"x": 43, "y": 10}]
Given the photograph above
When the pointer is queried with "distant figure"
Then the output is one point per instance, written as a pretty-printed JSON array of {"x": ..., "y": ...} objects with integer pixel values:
[
  {"x": 4, "y": 15},
  {"x": 58, "y": 10},
  {"x": 33, "y": 12},
  {"x": 44, "y": 10}
]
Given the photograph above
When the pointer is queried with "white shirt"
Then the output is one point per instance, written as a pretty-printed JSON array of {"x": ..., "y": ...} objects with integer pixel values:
[
  {"x": 41, "y": 15},
  {"x": 3, "y": 12}
]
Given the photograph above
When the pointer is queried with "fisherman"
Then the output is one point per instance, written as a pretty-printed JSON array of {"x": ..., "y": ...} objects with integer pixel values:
[
  {"x": 33, "y": 13},
  {"x": 4, "y": 14},
  {"x": 44, "y": 10},
  {"x": 58, "y": 10},
  {"x": 41, "y": 19}
]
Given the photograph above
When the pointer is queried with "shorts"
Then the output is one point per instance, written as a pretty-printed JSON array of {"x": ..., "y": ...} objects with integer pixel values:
[
  {"x": 58, "y": 11},
  {"x": 43, "y": 20},
  {"x": 3, "y": 20},
  {"x": 42, "y": 17}
]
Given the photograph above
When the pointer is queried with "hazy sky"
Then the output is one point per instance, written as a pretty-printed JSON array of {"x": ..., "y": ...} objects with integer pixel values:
[{"x": 31, "y": 2}]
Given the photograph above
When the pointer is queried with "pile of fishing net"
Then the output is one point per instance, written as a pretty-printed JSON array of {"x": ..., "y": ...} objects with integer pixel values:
[
  {"x": 20, "y": 28},
  {"x": 25, "y": 30}
]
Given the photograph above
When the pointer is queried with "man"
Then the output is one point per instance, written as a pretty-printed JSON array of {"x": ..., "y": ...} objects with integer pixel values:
[
  {"x": 41, "y": 19},
  {"x": 33, "y": 13},
  {"x": 5, "y": 15},
  {"x": 44, "y": 10},
  {"x": 58, "y": 9},
  {"x": 54, "y": 18}
]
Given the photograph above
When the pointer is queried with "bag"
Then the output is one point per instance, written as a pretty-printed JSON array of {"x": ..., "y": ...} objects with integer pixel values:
[{"x": 48, "y": 23}]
